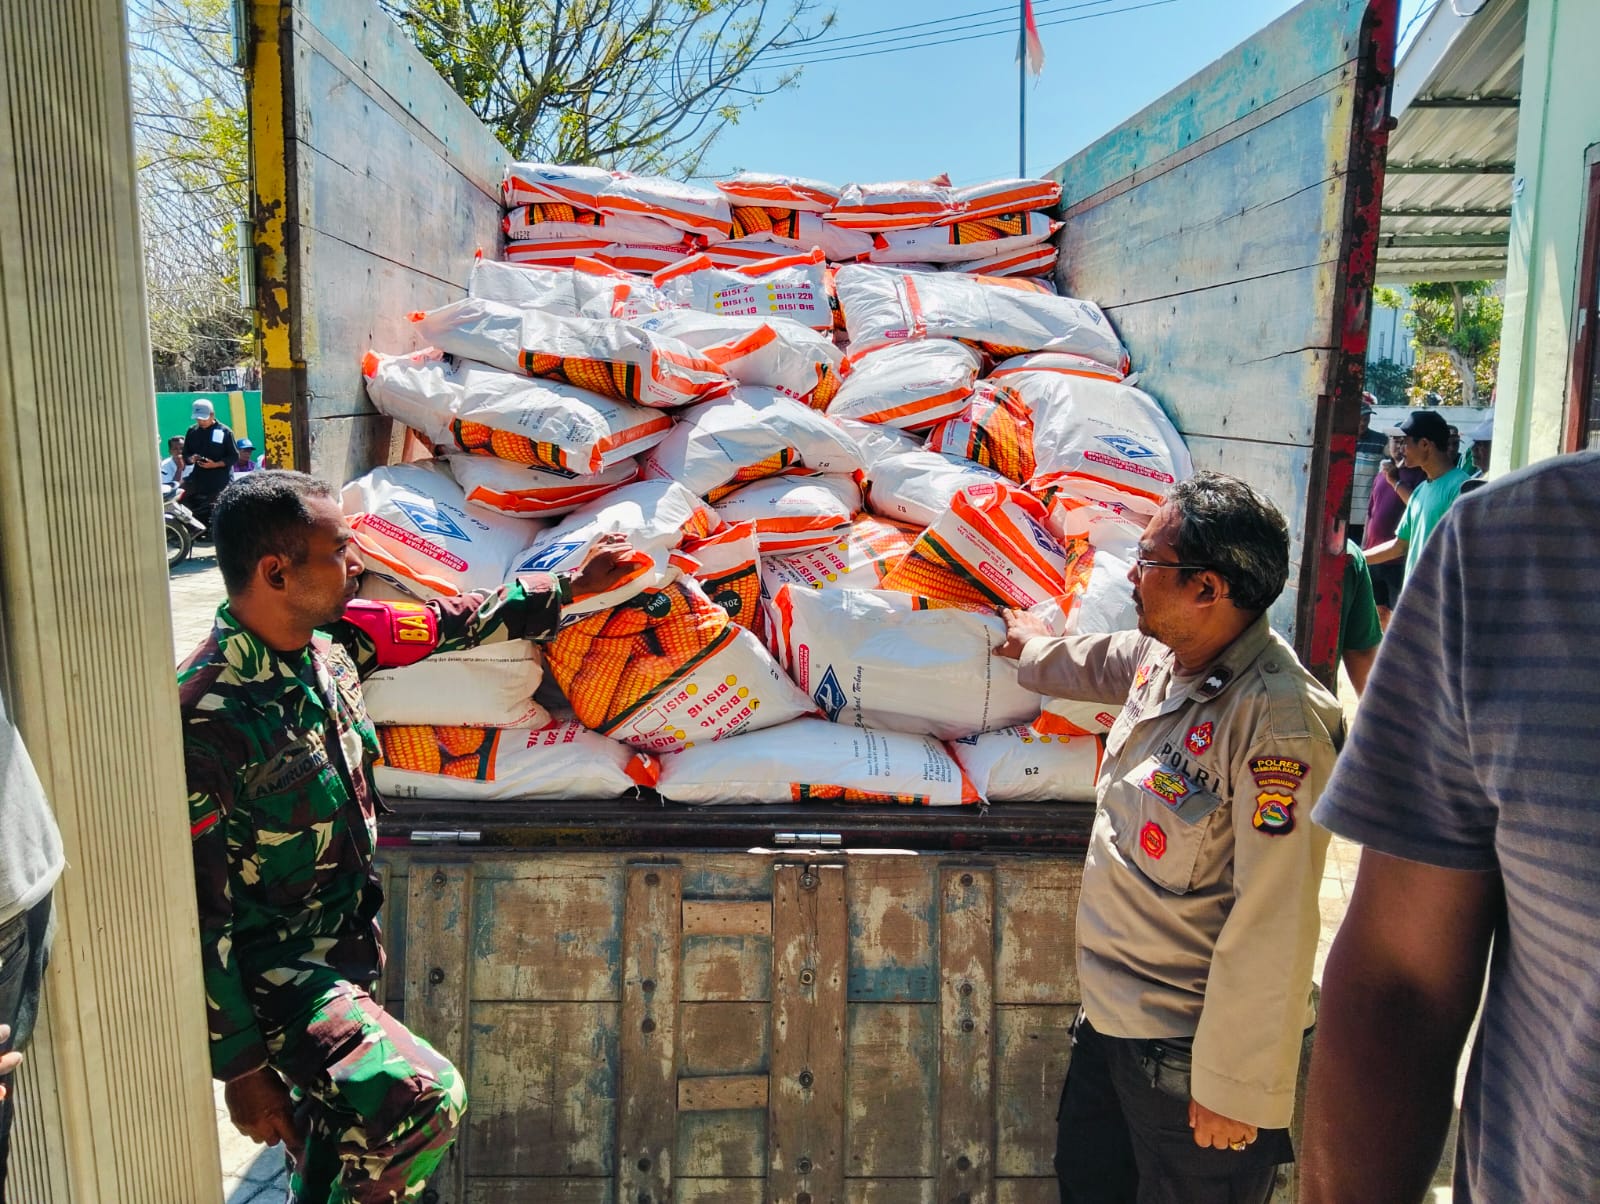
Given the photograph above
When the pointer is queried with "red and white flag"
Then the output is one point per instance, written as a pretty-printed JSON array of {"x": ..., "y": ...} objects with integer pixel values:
[{"x": 1030, "y": 40}]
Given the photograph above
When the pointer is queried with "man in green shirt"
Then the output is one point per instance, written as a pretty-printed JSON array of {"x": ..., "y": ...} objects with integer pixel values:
[
  {"x": 1426, "y": 437},
  {"x": 278, "y": 750},
  {"x": 1359, "y": 629}
]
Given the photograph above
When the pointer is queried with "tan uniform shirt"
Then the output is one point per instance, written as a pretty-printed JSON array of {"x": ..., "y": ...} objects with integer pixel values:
[{"x": 1198, "y": 914}]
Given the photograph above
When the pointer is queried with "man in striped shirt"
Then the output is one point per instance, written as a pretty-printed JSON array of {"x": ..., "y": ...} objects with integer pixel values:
[{"x": 1471, "y": 778}]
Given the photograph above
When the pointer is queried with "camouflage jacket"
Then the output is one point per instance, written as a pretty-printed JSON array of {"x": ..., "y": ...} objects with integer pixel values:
[{"x": 278, "y": 748}]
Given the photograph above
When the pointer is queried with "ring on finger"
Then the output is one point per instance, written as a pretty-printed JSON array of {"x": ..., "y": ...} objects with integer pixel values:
[{"x": 1238, "y": 1145}]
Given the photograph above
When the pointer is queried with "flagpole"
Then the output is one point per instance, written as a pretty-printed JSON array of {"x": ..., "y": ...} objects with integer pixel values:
[{"x": 1022, "y": 88}]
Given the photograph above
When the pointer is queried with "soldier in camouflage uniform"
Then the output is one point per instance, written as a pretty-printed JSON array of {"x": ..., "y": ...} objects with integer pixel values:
[{"x": 278, "y": 748}]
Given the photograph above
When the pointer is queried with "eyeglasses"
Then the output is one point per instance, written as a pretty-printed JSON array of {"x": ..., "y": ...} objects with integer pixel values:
[{"x": 1142, "y": 565}]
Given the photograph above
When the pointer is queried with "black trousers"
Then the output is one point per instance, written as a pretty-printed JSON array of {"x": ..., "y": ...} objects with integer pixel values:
[
  {"x": 1123, "y": 1136},
  {"x": 23, "y": 953}
]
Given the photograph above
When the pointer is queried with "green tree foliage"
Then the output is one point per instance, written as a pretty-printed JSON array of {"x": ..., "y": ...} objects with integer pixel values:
[
  {"x": 637, "y": 85},
  {"x": 191, "y": 141},
  {"x": 1459, "y": 321},
  {"x": 1388, "y": 382}
]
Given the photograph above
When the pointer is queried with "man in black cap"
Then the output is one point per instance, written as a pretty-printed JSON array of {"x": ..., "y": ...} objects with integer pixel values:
[
  {"x": 1370, "y": 447},
  {"x": 1426, "y": 439},
  {"x": 208, "y": 446}
]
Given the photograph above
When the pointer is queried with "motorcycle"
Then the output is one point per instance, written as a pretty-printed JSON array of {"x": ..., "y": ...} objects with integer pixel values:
[{"x": 182, "y": 526}]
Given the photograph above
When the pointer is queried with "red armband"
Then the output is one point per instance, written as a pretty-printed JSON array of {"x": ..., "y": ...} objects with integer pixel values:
[{"x": 402, "y": 633}]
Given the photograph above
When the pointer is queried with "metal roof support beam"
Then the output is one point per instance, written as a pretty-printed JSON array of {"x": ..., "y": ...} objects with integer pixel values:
[
  {"x": 1466, "y": 102},
  {"x": 1444, "y": 240},
  {"x": 1450, "y": 169},
  {"x": 1447, "y": 212}
]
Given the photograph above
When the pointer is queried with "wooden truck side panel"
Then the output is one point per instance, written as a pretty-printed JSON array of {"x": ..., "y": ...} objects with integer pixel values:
[
  {"x": 373, "y": 185},
  {"x": 743, "y": 1026},
  {"x": 1228, "y": 230}
]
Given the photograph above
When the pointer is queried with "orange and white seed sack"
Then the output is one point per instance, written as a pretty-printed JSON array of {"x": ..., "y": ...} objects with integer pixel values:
[
  {"x": 1096, "y": 439},
  {"x": 1064, "y": 362},
  {"x": 884, "y": 660},
  {"x": 491, "y": 685},
  {"x": 793, "y": 514},
  {"x": 993, "y": 547},
  {"x": 1021, "y": 263},
  {"x": 810, "y": 760},
  {"x": 557, "y": 761},
  {"x": 532, "y": 492},
  {"x": 537, "y": 183},
  {"x": 604, "y": 355},
  {"x": 668, "y": 669},
  {"x": 860, "y": 558},
  {"x": 767, "y": 191},
  {"x": 588, "y": 288},
  {"x": 776, "y": 353},
  {"x": 749, "y": 435},
  {"x": 686, "y": 207},
  {"x": 1021, "y": 765},
  {"x": 889, "y": 305},
  {"x": 656, "y": 516},
  {"x": 548, "y": 222},
  {"x": 965, "y": 241},
  {"x": 995, "y": 430},
  {"x": 909, "y": 385},
  {"x": 917, "y": 487},
  {"x": 875, "y": 441},
  {"x": 486, "y": 411},
  {"x": 996, "y": 197},
  {"x": 781, "y": 233},
  {"x": 727, "y": 564},
  {"x": 1100, "y": 601},
  {"x": 787, "y": 286},
  {"x": 412, "y": 527},
  {"x": 893, "y": 204}
]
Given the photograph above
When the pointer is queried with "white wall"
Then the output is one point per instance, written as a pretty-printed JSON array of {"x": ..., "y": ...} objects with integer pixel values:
[{"x": 1560, "y": 121}]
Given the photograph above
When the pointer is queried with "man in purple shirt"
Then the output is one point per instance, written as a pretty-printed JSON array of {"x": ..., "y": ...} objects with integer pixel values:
[{"x": 1391, "y": 490}]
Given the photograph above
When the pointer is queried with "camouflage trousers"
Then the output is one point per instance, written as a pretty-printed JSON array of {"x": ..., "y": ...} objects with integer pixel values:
[{"x": 376, "y": 1105}]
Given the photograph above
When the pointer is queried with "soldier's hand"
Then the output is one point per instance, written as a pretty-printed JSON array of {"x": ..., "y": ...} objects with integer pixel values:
[
  {"x": 610, "y": 562},
  {"x": 260, "y": 1107},
  {"x": 1020, "y": 628},
  {"x": 1216, "y": 1131},
  {"x": 8, "y": 1061}
]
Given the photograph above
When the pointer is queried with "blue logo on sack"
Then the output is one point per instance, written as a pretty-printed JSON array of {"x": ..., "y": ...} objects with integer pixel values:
[
  {"x": 1131, "y": 448},
  {"x": 1046, "y": 539},
  {"x": 430, "y": 520},
  {"x": 550, "y": 557},
  {"x": 830, "y": 695}
]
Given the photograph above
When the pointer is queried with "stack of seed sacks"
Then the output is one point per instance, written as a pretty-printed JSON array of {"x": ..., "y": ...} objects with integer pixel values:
[{"x": 834, "y": 465}]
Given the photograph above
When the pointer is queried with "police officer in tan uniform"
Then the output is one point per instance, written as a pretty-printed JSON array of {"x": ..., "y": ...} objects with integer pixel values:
[{"x": 1198, "y": 917}]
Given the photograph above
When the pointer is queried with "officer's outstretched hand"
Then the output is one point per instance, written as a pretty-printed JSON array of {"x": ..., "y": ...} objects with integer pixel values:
[
  {"x": 8, "y": 1061},
  {"x": 1216, "y": 1131},
  {"x": 1020, "y": 628},
  {"x": 611, "y": 561},
  {"x": 260, "y": 1108}
]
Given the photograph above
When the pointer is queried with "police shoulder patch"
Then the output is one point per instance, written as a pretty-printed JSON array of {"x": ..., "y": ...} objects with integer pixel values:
[
  {"x": 1278, "y": 773},
  {"x": 1274, "y": 813}
]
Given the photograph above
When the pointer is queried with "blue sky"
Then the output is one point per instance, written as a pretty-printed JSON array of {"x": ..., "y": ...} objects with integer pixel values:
[{"x": 954, "y": 107}]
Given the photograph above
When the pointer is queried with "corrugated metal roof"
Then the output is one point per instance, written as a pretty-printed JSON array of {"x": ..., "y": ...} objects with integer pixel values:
[{"x": 1447, "y": 190}]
